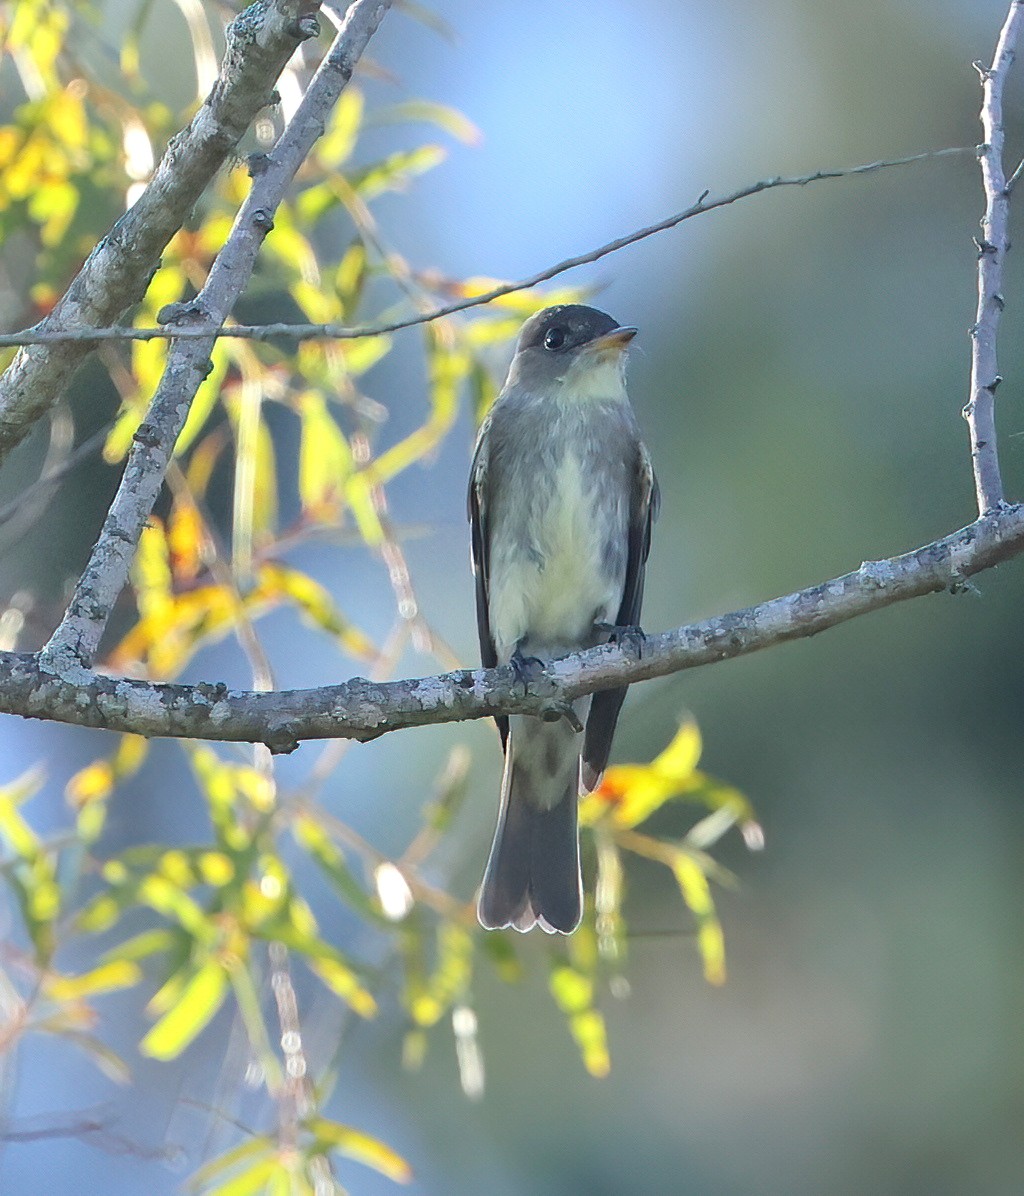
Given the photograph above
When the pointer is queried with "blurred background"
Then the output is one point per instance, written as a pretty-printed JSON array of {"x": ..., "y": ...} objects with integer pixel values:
[{"x": 799, "y": 375}]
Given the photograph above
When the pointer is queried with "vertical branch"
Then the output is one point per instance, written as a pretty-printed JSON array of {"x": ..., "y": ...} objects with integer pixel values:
[
  {"x": 73, "y": 646},
  {"x": 992, "y": 248},
  {"x": 260, "y": 41}
]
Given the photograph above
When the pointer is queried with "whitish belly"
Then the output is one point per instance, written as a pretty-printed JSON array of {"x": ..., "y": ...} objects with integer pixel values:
[{"x": 548, "y": 587}]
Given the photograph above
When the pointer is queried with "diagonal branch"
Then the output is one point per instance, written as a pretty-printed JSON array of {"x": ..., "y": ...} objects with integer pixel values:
[
  {"x": 117, "y": 272},
  {"x": 260, "y": 332},
  {"x": 363, "y": 710},
  {"x": 75, "y": 642},
  {"x": 993, "y": 246}
]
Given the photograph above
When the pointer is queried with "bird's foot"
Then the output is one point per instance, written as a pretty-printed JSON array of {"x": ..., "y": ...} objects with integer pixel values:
[
  {"x": 631, "y": 637},
  {"x": 526, "y": 668}
]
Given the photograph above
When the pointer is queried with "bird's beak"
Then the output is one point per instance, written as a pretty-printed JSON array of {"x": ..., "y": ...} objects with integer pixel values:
[{"x": 612, "y": 343}]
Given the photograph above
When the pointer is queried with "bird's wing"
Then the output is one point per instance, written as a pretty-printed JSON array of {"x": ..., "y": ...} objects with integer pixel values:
[
  {"x": 605, "y": 706},
  {"x": 476, "y": 502}
]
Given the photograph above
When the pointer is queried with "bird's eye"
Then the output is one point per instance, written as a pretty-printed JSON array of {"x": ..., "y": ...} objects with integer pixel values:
[{"x": 554, "y": 338}]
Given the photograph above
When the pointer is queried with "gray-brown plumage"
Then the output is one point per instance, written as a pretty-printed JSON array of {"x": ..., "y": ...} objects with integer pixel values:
[{"x": 561, "y": 501}]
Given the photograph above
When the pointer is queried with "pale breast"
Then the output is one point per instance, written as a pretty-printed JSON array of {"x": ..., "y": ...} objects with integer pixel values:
[{"x": 561, "y": 570}]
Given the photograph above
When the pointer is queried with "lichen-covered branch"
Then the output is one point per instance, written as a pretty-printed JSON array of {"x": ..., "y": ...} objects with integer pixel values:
[
  {"x": 993, "y": 245},
  {"x": 74, "y": 644},
  {"x": 117, "y": 272},
  {"x": 362, "y": 710}
]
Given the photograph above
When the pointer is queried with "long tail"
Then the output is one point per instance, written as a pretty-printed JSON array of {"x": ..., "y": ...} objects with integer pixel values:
[{"x": 533, "y": 873}]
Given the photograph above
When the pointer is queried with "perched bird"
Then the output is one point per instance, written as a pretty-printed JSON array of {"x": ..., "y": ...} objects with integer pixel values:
[{"x": 561, "y": 501}]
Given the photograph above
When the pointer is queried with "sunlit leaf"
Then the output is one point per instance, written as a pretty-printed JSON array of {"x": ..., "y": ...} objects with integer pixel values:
[
  {"x": 574, "y": 995},
  {"x": 350, "y": 276},
  {"x": 630, "y": 793},
  {"x": 16, "y": 832},
  {"x": 325, "y": 458},
  {"x": 105, "y": 978},
  {"x": 362, "y": 1147},
  {"x": 337, "y": 143},
  {"x": 256, "y": 1151},
  {"x": 696, "y": 891},
  {"x": 317, "y": 605},
  {"x": 195, "y": 1007},
  {"x": 186, "y": 536},
  {"x": 395, "y": 172}
]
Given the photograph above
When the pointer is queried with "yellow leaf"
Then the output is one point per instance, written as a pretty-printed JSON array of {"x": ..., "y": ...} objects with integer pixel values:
[
  {"x": 679, "y": 759},
  {"x": 325, "y": 458},
  {"x": 255, "y": 1149},
  {"x": 195, "y": 1007},
  {"x": 186, "y": 536},
  {"x": 574, "y": 995},
  {"x": 630, "y": 793},
  {"x": 20, "y": 837},
  {"x": 696, "y": 891},
  {"x": 339, "y": 140},
  {"x": 343, "y": 981},
  {"x": 315, "y": 602},
  {"x": 105, "y": 978},
  {"x": 361, "y": 1147}
]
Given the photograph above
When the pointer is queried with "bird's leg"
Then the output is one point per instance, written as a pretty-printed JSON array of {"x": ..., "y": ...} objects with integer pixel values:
[{"x": 630, "y": 636}]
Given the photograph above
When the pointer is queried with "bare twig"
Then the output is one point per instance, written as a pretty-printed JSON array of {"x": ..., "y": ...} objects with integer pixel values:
[
  {"x": 259, "y": 43},
  {"x": 992, "y": 248},
  {"x": 363, "y": 710},
  {"x": 76, "y": 640},
  {"x": 262, "y": 332}
]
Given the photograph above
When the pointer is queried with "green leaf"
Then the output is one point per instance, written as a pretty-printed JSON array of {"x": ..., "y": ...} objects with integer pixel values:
[{"x": 199, "y": 1000}]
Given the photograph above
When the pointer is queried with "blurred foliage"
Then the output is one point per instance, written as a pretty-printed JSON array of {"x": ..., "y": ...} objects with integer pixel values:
[{"x": 202, "y": 920}]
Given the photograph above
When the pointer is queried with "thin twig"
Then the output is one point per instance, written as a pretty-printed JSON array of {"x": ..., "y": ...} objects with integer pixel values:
[
  {"x": 262, "y": 332},
  {"x": 74, "y": 644},
  {"x": 992, "y": 249},
  {"x": 363, "y": 710}
]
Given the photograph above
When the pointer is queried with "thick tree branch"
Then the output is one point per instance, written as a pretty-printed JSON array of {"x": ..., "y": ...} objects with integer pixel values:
[
  {"x": 260, "y": 332},
  {"x": 992, "y": 249},
  {"x": 76, "y": 640},
  {"x": 115, "y": 277},
  {"x": 362, "y": 710}
]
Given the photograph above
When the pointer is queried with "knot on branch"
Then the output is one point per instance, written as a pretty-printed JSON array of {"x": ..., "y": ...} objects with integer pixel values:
[
  {"x": 304, "y": 27},
  {"x": 178, "y": 314},
  {"x": 555, "y": 709}
]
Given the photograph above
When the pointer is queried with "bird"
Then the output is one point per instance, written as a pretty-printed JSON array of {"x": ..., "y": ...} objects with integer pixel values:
[{"x": 562, "y": 498}]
